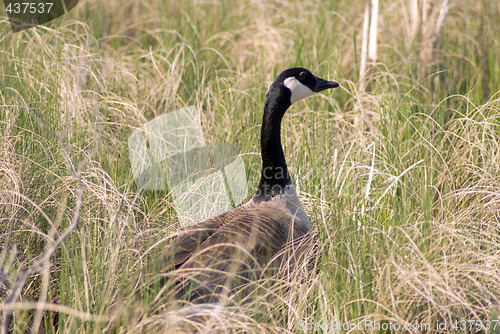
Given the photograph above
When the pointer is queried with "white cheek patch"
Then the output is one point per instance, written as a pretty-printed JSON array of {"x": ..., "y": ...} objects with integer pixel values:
[{"x": 299, "y": 91}]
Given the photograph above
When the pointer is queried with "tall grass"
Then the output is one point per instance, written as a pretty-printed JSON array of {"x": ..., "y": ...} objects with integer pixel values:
[{"x": 399, "y": 168}]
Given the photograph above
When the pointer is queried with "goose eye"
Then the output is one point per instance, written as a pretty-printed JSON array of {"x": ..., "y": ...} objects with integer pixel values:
[{"x": 302, "y": 75}]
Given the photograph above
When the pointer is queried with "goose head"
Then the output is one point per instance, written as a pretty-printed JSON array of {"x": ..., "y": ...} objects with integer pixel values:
[{"x": 296, "y": 84}]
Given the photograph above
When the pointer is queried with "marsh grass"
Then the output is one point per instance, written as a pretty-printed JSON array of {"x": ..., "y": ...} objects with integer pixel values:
[{"x": 400, "y": 172}]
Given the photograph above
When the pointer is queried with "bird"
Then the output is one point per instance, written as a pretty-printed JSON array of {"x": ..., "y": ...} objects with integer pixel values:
[{"x": 212, "y": 258}]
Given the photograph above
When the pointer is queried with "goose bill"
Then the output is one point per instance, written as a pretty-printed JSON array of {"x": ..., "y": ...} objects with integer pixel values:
[{"x": 322, "y": 84}]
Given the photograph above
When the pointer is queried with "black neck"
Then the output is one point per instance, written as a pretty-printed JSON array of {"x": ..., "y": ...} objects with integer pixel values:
[{"x": 274, "y": 175}]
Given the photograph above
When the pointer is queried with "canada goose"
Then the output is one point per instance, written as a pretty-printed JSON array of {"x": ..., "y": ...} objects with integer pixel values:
[{"x": 210, "y": 256}]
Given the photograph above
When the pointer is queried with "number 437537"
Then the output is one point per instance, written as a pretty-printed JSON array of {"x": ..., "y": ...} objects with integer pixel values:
[{"x": 29, "y": 7}]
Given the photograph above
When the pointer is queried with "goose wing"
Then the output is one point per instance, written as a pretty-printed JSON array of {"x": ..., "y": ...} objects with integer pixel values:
[
  {"x": 184, "y": 245},
  {"x": 233, "y": 247}
]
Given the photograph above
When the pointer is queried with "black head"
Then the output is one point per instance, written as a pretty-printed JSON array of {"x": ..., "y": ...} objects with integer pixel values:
[{"x": 299, "y": 83}]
